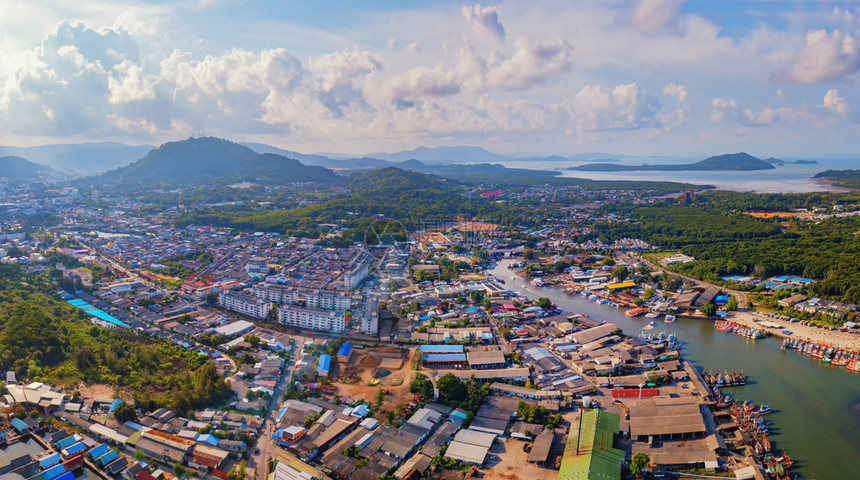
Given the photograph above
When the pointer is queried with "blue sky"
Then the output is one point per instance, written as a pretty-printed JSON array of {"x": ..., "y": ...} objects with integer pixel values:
[{"x": 649, "y": 77}]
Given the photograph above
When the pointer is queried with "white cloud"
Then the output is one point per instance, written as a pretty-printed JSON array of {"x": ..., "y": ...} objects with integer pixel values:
[
  {"x": 129, "y": 85},
  {"x": 834, "y": 103},
  {"x": 824, "y": 58},
  {"x": 485, "y": 20},
  {"x": 721, "y": 109},
  {"x": 681, "y": 92},
  {"x": 622, "y": 107},
  {"x": 655, "y": 16},
  {"x": 532, "y": 63}
]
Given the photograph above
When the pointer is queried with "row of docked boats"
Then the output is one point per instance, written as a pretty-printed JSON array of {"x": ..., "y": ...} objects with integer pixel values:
[
  {"x": 669, "y": 342},
  {"x": 725, "y": 379},
  {"x": 750, "y": 420},
  {"x": 839, "y": 357},
  {"x": 635, "y": 312},
  {"x": 739, "y": 329}
]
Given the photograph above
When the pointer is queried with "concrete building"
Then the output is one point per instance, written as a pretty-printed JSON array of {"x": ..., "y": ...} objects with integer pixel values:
[
  {"x": 244, "y": 304},
  {"x": 312, "y": 318}
]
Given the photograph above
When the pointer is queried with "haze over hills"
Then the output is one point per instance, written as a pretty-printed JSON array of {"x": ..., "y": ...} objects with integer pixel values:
[
  {"x": 17, "y": 168},
  {"x": 212, "y": 160},
  {"x": 730, "y": 161},
  {"x": 78, "y": 159}
]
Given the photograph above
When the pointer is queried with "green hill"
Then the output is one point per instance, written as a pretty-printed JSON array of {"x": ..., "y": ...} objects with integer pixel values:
[
  {"x": 730, "y": 161},
  {"x": 198, "y": 161},
  {"x": 17, "y": 168}
]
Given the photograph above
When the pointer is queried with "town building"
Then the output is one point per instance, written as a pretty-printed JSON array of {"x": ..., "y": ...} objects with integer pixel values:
[
  {"x": 312, "y": 318},
  {"x": 244, "y": 304}
]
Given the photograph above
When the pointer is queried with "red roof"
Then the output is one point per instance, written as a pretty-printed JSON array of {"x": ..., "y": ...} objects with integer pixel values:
[{"x": 142, "y": 475}]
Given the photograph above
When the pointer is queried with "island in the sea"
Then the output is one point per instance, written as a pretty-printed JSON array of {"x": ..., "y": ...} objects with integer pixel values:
[{"x": 729, "y": 161}]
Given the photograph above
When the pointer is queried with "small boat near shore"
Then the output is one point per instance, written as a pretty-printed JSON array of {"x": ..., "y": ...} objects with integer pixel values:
[
  {"x": 669, "y": 319},
  {"x": 635, "y": 312}
]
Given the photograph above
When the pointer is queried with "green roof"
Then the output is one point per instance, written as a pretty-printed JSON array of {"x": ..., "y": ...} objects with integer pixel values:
[{"x": 589, "y": 454}]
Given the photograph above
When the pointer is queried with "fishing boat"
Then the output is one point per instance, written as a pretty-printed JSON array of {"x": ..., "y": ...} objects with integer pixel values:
[
  {"x": 652, "y": 315},
  {"x": 635, "y": 312},
  {"x": 764, "y": 409},
  {"x": 765, "y": 443},
  {"x": 670, "y": 319}
]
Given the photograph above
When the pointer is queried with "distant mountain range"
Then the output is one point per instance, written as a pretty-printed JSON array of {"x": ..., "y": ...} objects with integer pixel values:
[
  {"x": 730, "y": 161},
  {"x": 78, "y": 159},
  {"x": 17, "y": 168},
  {"x": 208, "y": 160}
]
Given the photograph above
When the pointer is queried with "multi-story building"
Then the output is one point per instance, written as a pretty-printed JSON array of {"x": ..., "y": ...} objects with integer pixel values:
[
  {"x": 357, "y": 271},
  {"x": 257, "y": 266},
  {"x": 280, "y": 294},
  {"x": 244, "y": 304},
  {"x": 324, "y": 300},
  {"x": 312, "y": 318}
]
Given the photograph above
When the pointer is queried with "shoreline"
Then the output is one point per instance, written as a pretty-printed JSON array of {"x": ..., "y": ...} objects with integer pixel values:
[{"x": 849, "y": 341}]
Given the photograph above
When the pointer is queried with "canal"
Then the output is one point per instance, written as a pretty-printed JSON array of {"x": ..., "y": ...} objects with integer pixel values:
[{"x": 816, "y": 417}]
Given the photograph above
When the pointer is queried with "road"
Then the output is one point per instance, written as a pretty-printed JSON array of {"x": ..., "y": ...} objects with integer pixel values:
[
  {"x": 740, "y": 296},
  {"x": 264, "y": 441}
]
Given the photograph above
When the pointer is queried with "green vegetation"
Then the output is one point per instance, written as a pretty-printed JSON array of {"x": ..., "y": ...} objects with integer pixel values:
[
  {"x": 639, "y": 463},
  {"x": 44, "y": 339},
  {"x": 729, "y": 161},
  {"x": 845, "y": 178},
  {"x": 17, "y": 168},
  {"x": 211, "y": 161},
  {"x": 726, "y": 241}
]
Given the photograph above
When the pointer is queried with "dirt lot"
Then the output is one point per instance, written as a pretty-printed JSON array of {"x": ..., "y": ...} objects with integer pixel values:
[
  {"x": 394, "y": 376},
  {"x": 508, "y": 462}
]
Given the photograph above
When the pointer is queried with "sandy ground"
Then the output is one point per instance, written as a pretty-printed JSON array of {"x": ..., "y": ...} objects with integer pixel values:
[
  {"x": 820, "y": 335},
  {"x": 96, "y": 391},
  {"x": 396, "y": 382},
  {"x": 510, "y": 463}
]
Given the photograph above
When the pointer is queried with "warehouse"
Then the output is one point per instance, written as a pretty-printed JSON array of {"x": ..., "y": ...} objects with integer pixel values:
[{"x": 481, "y": 360}]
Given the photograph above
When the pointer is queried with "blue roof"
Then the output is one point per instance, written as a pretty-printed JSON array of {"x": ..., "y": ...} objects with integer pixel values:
[
  {"x": 19, "y": 425},
  {"x": 472, "y": 309},
  {"x": 324, "y": 363},
  {"x": 115, "y": 404},
  {"x": 208, "y": 439},
  {"x": 65, "y": 442},
  {"x": 442, "y": 348},
  {"x": 66, "y": 476},
  {"x": 445, "y": 357},
  {"x": 54, "y": 472},
  {"x": 50, "y": 460},
  {"x": 76, "y": 448},
  {"x": 345, "y": 350},
  {"x": 107, "y": 457},
  {"x": 98, "y": 450}
]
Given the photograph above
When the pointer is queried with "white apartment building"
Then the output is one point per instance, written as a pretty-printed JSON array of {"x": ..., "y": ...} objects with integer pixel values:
[
  {"x": 312, "y": 318},
  {"x": 281, "y": 294},
  {"x": 356, "y": 273},
  {"x": 325, "y": 300},
  {"x": 244, "y": 304}
]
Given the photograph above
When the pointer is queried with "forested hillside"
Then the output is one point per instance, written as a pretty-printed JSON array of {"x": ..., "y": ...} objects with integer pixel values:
[
  {"x": 726, "y": 241},
  {"x": 45, "y": 339}
]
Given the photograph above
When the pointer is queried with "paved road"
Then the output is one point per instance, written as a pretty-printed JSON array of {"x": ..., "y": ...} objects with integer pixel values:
[
  {"x": 740, "y": 296},
  {"x": 264, "y": 442}
]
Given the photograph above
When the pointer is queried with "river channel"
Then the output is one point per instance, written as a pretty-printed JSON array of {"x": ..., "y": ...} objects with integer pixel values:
[{"x": 816, "y": 417}]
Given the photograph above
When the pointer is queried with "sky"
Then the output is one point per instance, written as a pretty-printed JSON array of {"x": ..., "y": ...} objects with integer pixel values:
[{"x": 524, "y": 78}]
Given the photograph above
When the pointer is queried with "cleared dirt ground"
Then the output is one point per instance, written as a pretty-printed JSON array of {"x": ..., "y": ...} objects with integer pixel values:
[
  {"x": 510, "y": 464},
  {"x": 394, "y": 376}
]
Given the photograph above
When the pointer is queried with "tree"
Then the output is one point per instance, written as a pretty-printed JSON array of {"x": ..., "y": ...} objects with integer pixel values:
[
  {"x": 528, "y": 254},
  {"x": 544, "y": 303},
  {"x": 380, "y": 397},
  {"x": 211, "y": 299},
  {"x": 253, "y": 340},
  {"x": 451, "y": 387},
  {"x": 620, "y": 273},
  {"x": 179, "y": 470},
  {"x": 487, "y": 304},
  {"x": 238, "y": 472},
  {"x": 709, "y": 309},
  {"x": 648, "y": 294},
  {"x": 639, "y": 301},
  {"x": 477, "y": 296},
  {"x": 125, "y": 412},
  {"x": 732, "y": 304},
  {"x": 639, "y": 463}
]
